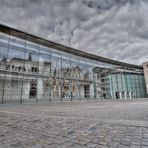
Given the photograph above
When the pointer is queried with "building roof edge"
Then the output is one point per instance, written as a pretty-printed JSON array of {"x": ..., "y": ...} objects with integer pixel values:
[{"x": 36, "y": 39}]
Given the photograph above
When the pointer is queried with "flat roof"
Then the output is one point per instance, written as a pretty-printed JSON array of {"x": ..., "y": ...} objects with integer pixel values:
[{"x": 60, "y": 47}]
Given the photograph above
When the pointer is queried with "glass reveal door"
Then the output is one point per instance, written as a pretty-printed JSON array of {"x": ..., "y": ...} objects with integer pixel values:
[{"x": 86, "y": 91}]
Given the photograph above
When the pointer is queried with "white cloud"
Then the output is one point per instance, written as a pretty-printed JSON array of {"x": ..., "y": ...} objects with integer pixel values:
[{"x": 115, "y": 29}]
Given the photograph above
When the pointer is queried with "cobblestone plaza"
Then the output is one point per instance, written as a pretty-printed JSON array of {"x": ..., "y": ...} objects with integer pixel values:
[{"x": 92, "y": 124}]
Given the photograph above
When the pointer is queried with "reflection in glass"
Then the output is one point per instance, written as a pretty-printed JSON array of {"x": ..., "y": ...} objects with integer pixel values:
[{"x": 32, "y": 72}]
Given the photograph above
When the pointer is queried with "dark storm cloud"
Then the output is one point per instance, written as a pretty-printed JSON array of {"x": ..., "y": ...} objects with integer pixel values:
[{"x": 112, "y": 28}]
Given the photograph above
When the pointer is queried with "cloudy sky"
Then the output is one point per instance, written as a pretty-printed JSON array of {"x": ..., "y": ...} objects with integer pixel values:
[{"x": 116, "y": 29}]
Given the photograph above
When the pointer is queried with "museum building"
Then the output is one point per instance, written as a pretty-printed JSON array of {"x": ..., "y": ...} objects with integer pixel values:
[{"x": 33, "y": 69}]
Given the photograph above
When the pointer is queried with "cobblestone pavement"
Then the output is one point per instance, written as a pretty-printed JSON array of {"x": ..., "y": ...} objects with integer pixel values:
[{"x": 117, "y": 124}]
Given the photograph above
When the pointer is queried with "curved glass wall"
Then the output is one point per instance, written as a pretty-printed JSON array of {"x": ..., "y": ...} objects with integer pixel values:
[{"x": 32, "y": 72}]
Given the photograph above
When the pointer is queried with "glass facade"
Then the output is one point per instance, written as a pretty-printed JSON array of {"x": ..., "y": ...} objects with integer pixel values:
[
  {"x": 131, "y": 86},
  {"x": 33, "y": 72}
]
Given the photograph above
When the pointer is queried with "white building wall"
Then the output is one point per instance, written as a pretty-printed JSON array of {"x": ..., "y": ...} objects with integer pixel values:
[
  {"x": 40, "y": 88},
  {"x": 26, "y": 90},
  {"x": 91, "y": 90},
  {"x": 81, "y": 91}
]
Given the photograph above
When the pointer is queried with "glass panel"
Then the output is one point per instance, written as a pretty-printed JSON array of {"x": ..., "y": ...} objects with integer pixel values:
[
  {"x": 66, "y": 67},
  {"x": 89, "y": 78},
  {"x": 75, "y": 74},
  {"x": 44, "y": 90},
  {"x": 56, "y": 65},
  {"x": 31, "y": 91},
  {"x": 15, "y": 73},
  {"x": 4, "y": 64}
]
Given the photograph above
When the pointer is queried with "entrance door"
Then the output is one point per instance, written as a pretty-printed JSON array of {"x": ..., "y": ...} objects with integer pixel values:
[
  {"x": 118, "y": 95},
  {"x": 86, "y": 91},
  {"x": 33, "y": 91}
]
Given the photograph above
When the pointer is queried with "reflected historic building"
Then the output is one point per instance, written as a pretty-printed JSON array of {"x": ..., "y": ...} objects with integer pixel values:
[{"x": 34, "y": 69}]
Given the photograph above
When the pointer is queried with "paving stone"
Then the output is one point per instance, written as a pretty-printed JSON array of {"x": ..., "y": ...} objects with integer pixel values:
[
  {"x": 145, "y": 140},
  {"x": 95, "y": 140},
  {"x": 145, "y": 143},
  {"x": 74, "y": 146},
  {"x": 135, "y": 146},
  {"x": 136, "y": 143},
  {"x": 5, "y": 146},
  {"x": 143, "y": 146},
  {"x": 117, "y": 139},
  {"x": 91, "y": 145},
  {"x": 37, "y": 146},
  {"x": 126, "y": 143},
  {"x": 101, "y": 146},
  {"x": 103, "y": 142},
  {"x": 113, "y": 144},
  {"x": 122, "y": 146},
  {"x": 81, "y": 142}
]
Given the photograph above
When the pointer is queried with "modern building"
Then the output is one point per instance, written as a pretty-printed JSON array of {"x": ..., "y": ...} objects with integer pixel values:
[
  {"x": 145, "y": 68},
  {"x": 35, "y": 69}
]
